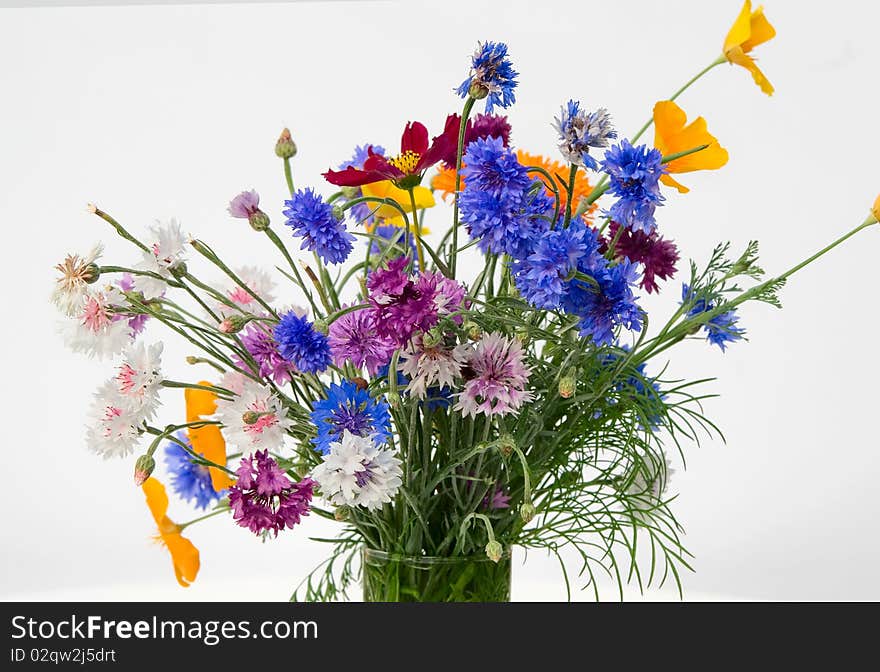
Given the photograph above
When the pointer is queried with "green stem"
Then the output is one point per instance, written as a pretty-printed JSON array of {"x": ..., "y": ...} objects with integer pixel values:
[
  {"x": 194, "y": 386},
  {"x": 416, "y": 231},
  {"x": 465, "y": 113},
  {"x": 288, "y": 176},
  {"x": 119, "y": 228},
  {"x": 290, "y": 262},
  {"x": 568, "y": 201},
  {"x": 183, "y": 526}
]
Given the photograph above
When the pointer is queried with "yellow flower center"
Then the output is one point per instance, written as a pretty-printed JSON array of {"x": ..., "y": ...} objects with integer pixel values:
[{"x": 406, "y": 162}]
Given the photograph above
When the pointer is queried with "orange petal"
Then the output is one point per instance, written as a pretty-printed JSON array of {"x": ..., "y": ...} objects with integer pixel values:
[
  {"x": 671, "y": 136},
  {"x": 739, "y": 57},
  {"x": 670, "y": 182},
  {"x": 184, "y": 557},
  {"x": 444, "y": 182},
  {"x": 741, "y": 30},
  {"x": 199, "y": 402},
  {"x": 761, "y": 30},
  {"x": 157, "y": 499},
  {"x": 208, "y": 442}
]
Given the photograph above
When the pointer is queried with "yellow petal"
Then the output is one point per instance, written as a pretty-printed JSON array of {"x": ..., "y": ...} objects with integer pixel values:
[
  {"x": 671, "y": 136},
  {"x": 208, "y": 442},
  {"x": 157, "y": 499},
  {"x": 199, "y": 402},
  {"x": 761, "y": 30},
  {"x": 184, "y": 557},
  {"x": 385, "y": 189},
  {"x": 741, "y": 29},
  {"x": 876, "y": 209}
]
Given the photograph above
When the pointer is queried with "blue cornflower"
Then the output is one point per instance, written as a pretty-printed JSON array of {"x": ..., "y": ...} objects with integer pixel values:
[
  {"x": 634, "y": 174},
  {"x": 605, "y": 303},
  {"x": 361, "y": 211},
  {"x": 349, "y": 407},
  {"x": 189, "y": 480},
  {"x": 503, "y": 208},
  {"x": 298, "y": 342},
  {"x": 579, "y": 130},
  {"x": 721, "y": 329},
  {"x": 543, "y": 277},
  {"x": 313, "y": 220},
  {"x": 492, "y": 76}
]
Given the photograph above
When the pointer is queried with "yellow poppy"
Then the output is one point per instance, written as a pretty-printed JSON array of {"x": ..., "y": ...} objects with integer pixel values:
[
  {"x": 876, "y": 209},
  {"x": 207, "y": 441},
  {"x": 748, "y": 31},
  {"x": 184, "y": 555},
  {"x": 385, "y": 189},
  {"x": 672, "y": 134}
]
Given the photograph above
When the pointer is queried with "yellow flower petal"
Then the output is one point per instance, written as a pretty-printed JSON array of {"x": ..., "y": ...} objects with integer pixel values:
[
  {"x": 199, "y": 402},
  {"x": 672, "y": 134},
  {"x": 184, "y": 555},
  {"x": 157, "y": 499},
  {"x": 876, "y": 209},
  {"x": 761, "y": 30},
  {"x": 208, "y": 442},
  {"x": 385, "y": 189},
  {"x": 741, "y": 30},
  {"x": 748, "y": 31},
  {"x": 738, "y": 56}
]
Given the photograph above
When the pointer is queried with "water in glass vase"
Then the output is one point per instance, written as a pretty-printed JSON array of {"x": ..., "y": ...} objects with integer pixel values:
[{"x": 390, "y": 577}]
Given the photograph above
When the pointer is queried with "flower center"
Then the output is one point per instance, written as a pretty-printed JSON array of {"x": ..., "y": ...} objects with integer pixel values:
[{"x": 406, "y": 162}]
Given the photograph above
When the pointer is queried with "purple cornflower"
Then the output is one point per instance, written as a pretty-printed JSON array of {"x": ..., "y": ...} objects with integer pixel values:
[
  {"x": 496, "y": 499},
  {"x": 247, "y": 206},
  {"x": 262, "y": 346},
  {"x": 264, "y": 499},
  {"x": 634, "y": 174},
  {"x": 298, "y": 342},
  {"x": 492, "y": 76},
  {"x": 498, "y": 379},
  {"x": 354, "y": 338},
  {"x": 313, "y": 220},
  {"x": 657, "y": 255},
  {"x": 401, "y": 306}
]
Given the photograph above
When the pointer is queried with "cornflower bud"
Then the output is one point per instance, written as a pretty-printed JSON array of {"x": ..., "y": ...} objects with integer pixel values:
[
  {"x": 527, "y": 511},
  {"x": 285, "y": 148},
  {"x": 233, "y": 324},
  {"x": 494, "y": 550},
  {"x": 506, "y": 445},
  {"x": 568, "y": 385},
  {"x": 143, "y": 467}
]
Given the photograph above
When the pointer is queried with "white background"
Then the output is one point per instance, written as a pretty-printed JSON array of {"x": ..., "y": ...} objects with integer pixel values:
[{"x": 159, "y": 111}]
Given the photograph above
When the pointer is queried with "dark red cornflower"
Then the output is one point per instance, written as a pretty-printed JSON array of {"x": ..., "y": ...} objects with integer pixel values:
[
  {"x": 657, "y": 255},
  {"x": 407, "y": 168}
]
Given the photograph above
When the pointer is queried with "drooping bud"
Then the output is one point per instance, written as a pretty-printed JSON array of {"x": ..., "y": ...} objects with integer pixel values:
[
  {"x": 568, "y": 384},
  {"x": 143, "y": 467},
  {"x": 91, "y": 273},
  {"x": 393, "y": 399},
  {"x": 179, "y": 270},
  {"x": 342, "y": 513},
  {"x": 251, "y": 417},
  {"x": 285, "y": 148},
  {"x": 527, "y": 511},
  {"x": 191, "y": 359},
  {"x": 473, "y": 330},
  {"x": 494, "y": 550},
  {"x": 506, "y": 445}
]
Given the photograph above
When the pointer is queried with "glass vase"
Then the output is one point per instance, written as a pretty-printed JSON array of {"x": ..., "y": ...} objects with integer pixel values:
[{"x": 389, "y": 577}]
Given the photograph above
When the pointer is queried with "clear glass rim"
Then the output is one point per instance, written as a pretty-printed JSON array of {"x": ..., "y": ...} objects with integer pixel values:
[{"x": 376, "y": 554}]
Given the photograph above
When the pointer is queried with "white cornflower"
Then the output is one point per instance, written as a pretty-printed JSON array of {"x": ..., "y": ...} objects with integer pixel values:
[
  {"x": 77, "y": 273},
  {"x": 95, "y": 328},
  {"x": 358, "y": 472},
  {"x": 113, "y": 428},
  {"x": 427, "y": 366},
  {"x": 580, "y": 130},
  {"x": 254, "y": 419},
  {"x": 256, "y": 279},
  {"x": 166, "y": 252},
  {"x": 139, "y": 379}
]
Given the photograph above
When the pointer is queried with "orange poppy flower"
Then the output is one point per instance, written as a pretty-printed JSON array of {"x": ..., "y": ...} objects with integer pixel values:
[
  {"x": 207, "y": 441},
  {"x": 672, "y": 134},
  {"x": 444, "y": 182},
  {"x": 184, "y": 555},
  {"x": 748, "y": 31}
]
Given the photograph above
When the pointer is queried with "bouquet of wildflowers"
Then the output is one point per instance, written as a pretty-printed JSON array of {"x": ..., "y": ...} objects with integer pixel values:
[{"x": 439, "y": 418}]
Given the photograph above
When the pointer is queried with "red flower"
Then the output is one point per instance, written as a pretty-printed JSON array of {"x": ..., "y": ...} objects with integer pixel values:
[{"x": 407, "y": 168}]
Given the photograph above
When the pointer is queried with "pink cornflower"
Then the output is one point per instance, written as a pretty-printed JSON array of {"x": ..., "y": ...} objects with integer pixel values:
[
  {"x": 431, "y": 365},
  {"x": 499, "y": 377},
  {"x": 354, "y": 338}
]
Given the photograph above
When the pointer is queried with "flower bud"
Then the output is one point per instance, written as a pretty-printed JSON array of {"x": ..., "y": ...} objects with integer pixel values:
[
  {"x": 143, "y": 468},
  {"x": 233, "y": 324},
  {"x": 567, "y": 385},
  {"x": 191, "y": 359},
  {"x": 432, "y": 338},
  {"x": 393, "y": 399},
  {"x": 527, "y": 511},
  {"x": 694, "y": 329},
  {"x": 523, "y": 336},
  {"x": 473, "y": 330},
  {"x": 506, "y": 445},
  {"x": 251, "y": 417},
  {"x": 90, "y": 273},
  {"x": 494, "y": 550},
  {"x": 359, "y": 383},
  {"x": 321, "y": 327},
  {"x": 350, "y": 192},
  {"x": 285, "y": 148},
  {"x": 338, "y": 213},
  {"x": 342, "y": 513},
  {"x": 875, "y": 210},
  {"x": 258, "y": 220}
]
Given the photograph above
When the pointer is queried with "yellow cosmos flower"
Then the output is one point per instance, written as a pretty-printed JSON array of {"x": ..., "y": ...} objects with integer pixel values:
[
  {"x": 207, "y": 441},
  {"x": 385, "y": 189},
  {"x": 184, "y": 555},
  {"x": 748, "y": 31},
  {"x": 672, "y": 134}
]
